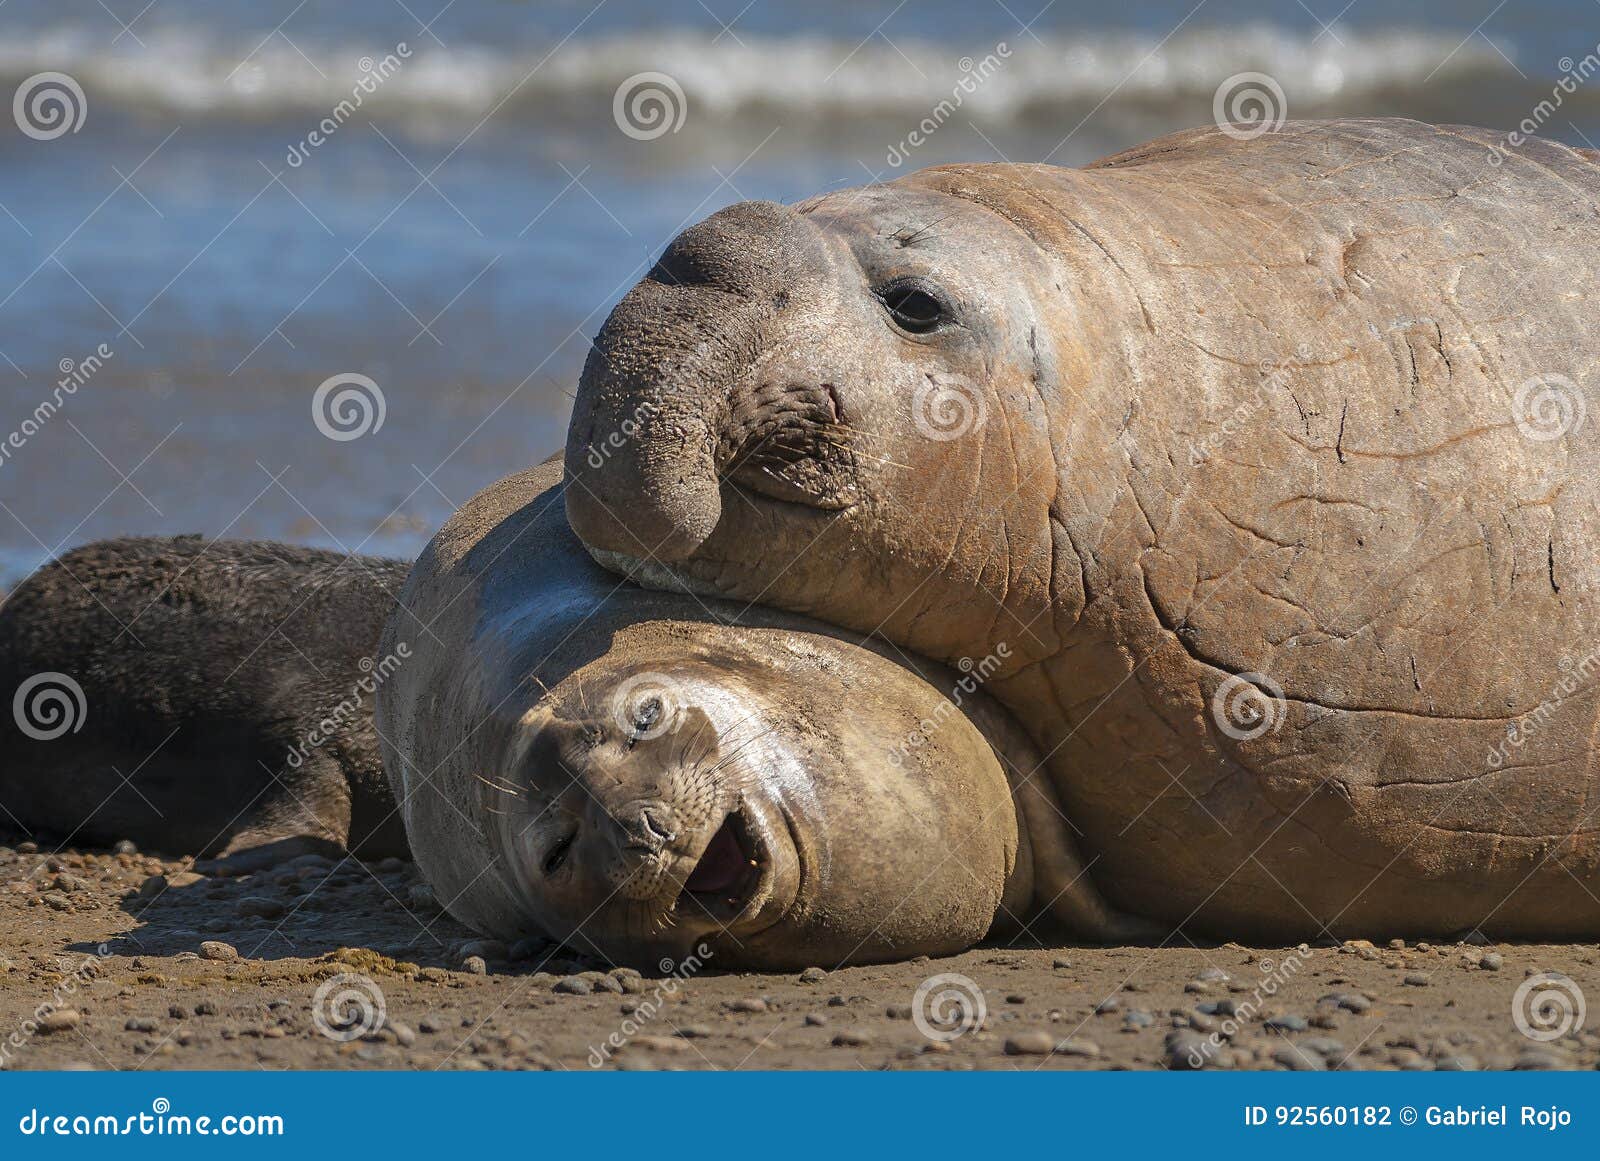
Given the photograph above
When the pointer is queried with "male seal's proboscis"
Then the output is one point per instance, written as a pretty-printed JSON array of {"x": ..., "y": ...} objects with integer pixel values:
[
  {"x": 636, "y": 774},
  {"x": 1275, "y": 462}
]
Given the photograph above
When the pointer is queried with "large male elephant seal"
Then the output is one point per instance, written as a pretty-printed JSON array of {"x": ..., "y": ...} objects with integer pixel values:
[
  {"x": 634, "y": 774},
  {"x": 1268, "y": 459},
  {"x": 200, "y": 698}
]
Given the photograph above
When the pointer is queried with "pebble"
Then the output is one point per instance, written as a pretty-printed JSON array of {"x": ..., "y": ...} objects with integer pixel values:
[
  {"x": 851, "y": 1038},
  {"x": 1187, "y": 1050},
  {"x": 56, "y": 900},
  {"x": 659, "y": 1044},
  {"x": 124, "y": 847},
  {"x": 752, "y": 1004},
  {"x": 1349, "y": 1001},
  {"x": 1324, "y": 1046},
  {"x": 1109, "y": 1004},
  {"x": 1286, "y": 1023},
  {"x": 205, "y": 1008},
  {"x": 1542, "y": 1060},
  {"x": 1212, "y": 975},
  {"x": 152, "y": 886},
  {"x": 1492, "y": 961},
  {"x": 1077, "y": 1046},
  {"x": 1297, "y": 1058},
  {"x": 1137, "y": 1018},
  {"x": 572, "y": 986},
  {"x": 1461, "y": 1062},
  {"x": 1030, "y": 1043},
  {"x": 898, "y": 1011},
  {"x": 140, "y": 1024},
  {"x": 483, "y": 949},
  {"x": 813, "y": 975},
  {"x": 1417, "y": 979},
  {"x": 259, "y": 906},
  {"x": 432, "y": 1024},
  {"x": 403, "y": 1034},
  {"x": 60, "y": 1020},
  {"x": 217, "y": 950},
  {"x": 474, "y": 965},
  {"x": 816, "y": 1021}
]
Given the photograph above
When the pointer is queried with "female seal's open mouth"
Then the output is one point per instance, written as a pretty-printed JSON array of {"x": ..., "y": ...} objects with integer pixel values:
[{"x": 731, "y": 871}]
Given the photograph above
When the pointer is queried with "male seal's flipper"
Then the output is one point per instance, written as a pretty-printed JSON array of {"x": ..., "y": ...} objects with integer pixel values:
[{"x": 209, "y": 698}]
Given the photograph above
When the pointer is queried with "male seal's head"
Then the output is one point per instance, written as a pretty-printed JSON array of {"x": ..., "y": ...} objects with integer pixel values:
[{"x": 788, "y": 383}]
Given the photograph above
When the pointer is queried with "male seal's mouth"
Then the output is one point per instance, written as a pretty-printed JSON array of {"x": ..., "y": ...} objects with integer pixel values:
[{"x": 730, "y": 873}]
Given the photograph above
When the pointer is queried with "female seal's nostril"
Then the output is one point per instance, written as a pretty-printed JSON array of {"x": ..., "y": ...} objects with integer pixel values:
[{"x": 653, "y": 825}]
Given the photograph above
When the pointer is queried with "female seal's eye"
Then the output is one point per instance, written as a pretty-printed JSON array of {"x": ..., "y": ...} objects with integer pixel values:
[
  {"x": 558, "y": 854},
  {"x": 913, "y": 309}
]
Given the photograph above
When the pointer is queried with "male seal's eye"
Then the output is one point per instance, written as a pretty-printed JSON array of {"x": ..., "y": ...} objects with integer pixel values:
[
  {"x": 913, "y": 309},
  {"x": 558, "y": 855}
]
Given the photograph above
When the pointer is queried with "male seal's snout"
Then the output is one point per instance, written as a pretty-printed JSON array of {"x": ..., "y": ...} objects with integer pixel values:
[{"x": 665, "y": 404}]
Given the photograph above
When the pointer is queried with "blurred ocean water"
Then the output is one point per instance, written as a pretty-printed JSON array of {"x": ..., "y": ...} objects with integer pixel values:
[{"x": 445, "y": 199}]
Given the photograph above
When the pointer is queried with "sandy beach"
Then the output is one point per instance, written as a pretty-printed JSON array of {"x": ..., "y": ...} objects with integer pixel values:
[{"x": 109, "y": 964}]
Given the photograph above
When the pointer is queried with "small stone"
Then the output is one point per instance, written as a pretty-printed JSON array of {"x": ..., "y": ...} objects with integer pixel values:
[
  {"x": 56, "y": 900},
  {"x": 1137, "y": 1018},
  {"x": 1077, "y": 1046},
  {"x": 176, "y": 1012},
  {"x": 124, "y": 847},
  {"x": 1349, "y": 1001},
  {"x": 1285, "y": 1023},
  {"x": 1030, "y": 1043},
  {"x": 816, "y": 1021},
  {"x": 1187, "y": 1050},
  {"x": 1460, "y": 1062},
  {"x": 1324, "y": 1046},
  {"x": 431, "y": 1024},
  {"x": 1212, "y": 975},
  {"x": 573, "y": 986},
  {"x": 259, "y": 906},
  {"x": 185, "y": 879},
  {"x": 693, "y": 1032},
  {"x": 1299, "y": 1059},
  {"x": 59, "y": 1020},
  {"x": 474, "y": 965},
  {"x": 1109, "y": 1004},
  {"x": 898, "y": 1011},
  {"x": 1061, "y": 963},
  {"x": 851, "y": 1038},
  {"x": 607, "y": 984},
  {"x": 669, "y": 1044},
  {"x": 1417, "y": 979},
  {"x": 152, "y": 886},
  {"x": 140, "y": 1024},
  {"x": 219, "y": 951},
  {"x": 1397, "y": 945},
  {"x": 403, "y": 1034},
  {"x": 752, "y": 1004},
  {"x": 813, "y": 975},
  {"x": 1542, "y": 1060},
  {"x": 66, "y": 882},
  {"x": 205, "y": 1008},
  {"x": 1491, "y": 961}
]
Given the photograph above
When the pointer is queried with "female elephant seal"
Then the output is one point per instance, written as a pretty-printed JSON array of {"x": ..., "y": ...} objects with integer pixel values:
[
  {"x": 208, "y": 698},
  {"x": 1268, "y": 459},
  {"x": 633, "y": 773}
]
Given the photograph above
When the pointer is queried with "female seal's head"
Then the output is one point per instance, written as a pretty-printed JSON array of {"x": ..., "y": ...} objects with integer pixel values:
[{"x": 762, "y": 793}]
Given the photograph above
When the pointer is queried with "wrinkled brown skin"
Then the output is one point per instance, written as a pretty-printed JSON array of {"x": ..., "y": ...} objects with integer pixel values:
[
  {"x": 1367, "y": 527},
  {"x": 511, "y": 727}
]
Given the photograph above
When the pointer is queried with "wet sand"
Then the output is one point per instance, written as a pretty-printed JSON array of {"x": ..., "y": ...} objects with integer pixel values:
[{"x": 110, "y": 961}]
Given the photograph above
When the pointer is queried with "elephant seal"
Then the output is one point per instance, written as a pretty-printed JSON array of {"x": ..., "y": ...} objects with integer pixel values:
[
  {"x": 634, "y": 773},
  {"x": 208, "y": 698},
  {"x": 1265, "y": 454}
]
